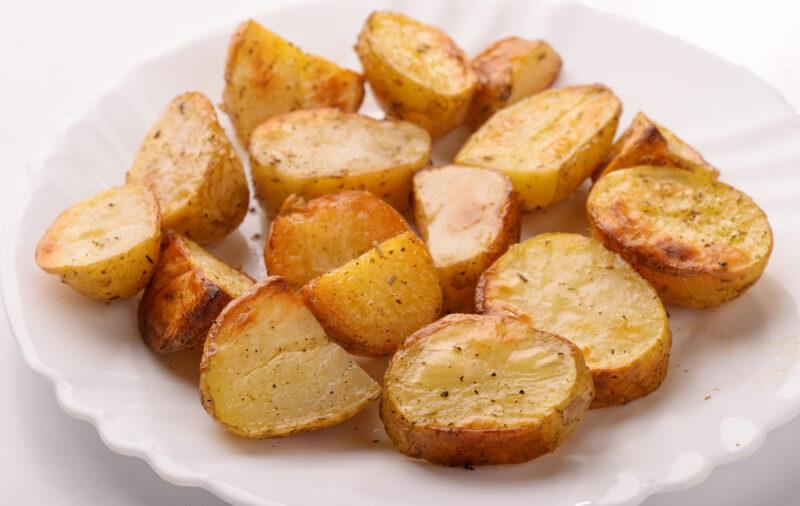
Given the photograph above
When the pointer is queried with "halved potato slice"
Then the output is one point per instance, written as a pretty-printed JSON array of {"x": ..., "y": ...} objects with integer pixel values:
[
  {"x": 308, "y": 239},
  {"x": 468, "y": 217},
  {"x": 547, "y": 143},
  {"x": 266, "y": 75},
  {"x": 268, "y": 370},
  {"x": 106, "y": 246},
  {"x": 372, "y": 303},
  {"x": 188, "y": 162},
  {"x": 416, "y": 71},
  {"x": 311, "y": 153},
  {"x": 698, "y": 241},
  {"x": 476, "y": 389},
  {"x": 188, "y": 290},
  {"x": 572, "y": 286}
]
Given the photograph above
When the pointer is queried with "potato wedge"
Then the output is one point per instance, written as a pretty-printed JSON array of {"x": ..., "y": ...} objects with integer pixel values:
[
  {"x": 476, "y": 389},
  {"x": 187, "y": 291},
  {"x": 547, "y": 143},
  {"x": 645, "y": 142},
  {"x": 416, "y": 71},
  {"x": 106, "y": 246},
  {"x": 508, "y": 71},
  {"x": 570, "y": 285},
  {"x": 372, "y": 303},
  {"x": 312, "y": 153},
  {"x": 699, "y": 242},
  {"x": 468, "y": 217},
  {"x": 308, "y": 239},
  {"x": 188, "y": 162},
  {"x": 268, "y": 370},
  {"x": 266, "y": 75}
]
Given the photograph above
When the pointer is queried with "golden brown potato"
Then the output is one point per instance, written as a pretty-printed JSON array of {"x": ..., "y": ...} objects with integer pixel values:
[
  {"x": 699, "y": 242},
  {"x": 508, "y": 71},
  {"x": 572, "y": 286},
  {"x": 547, "y": 143},
  {"x": 188, "y": 162},
  {"x": 468, "y": 217},
  {"x": 187, "y": 291},
  {"x": 311, "y": 238},
  {"x": 372, "y": 303},
  {"x": 106, "y": 246},
  {"x": 312, "y": 153},
  {"x": 416, "y": 71},
  {"x": 645, "y": 142},
  {"x": 476, "y": 389},
  {"x": 266, "y": 75},
  {"x": 268, "y": 370}
]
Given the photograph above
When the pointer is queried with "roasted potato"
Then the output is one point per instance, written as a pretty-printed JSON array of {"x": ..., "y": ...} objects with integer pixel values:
[
  {"x": 645, "y": 142},
  {"x": 268, "y": 370},
  {"x": 468, "y": 217},
  {"x": 699, "y": 242},
  {"x": 475, "y": 389},
  {"x": 106, "y": 246},
  {"x": 508, "y": 71},
  {"x": 373, "y": 302},
  {"x": 572, "y": 286},
  {"x": 308, "y": 239},
  {"x": 266, "y": 75},
  {"x": 311, "y": 153},
  {"x": 547, "y": 143},
  {"x": 187, "y": 291},
  {"x": 416, "y": 71}
]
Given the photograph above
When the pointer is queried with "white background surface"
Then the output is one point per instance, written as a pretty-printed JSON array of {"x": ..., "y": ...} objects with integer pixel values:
[{"x": 54, "y": 57}]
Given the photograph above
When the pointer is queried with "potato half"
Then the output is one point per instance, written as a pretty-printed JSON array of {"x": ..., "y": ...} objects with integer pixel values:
[
  {"x": 187, "y": 291},
  {"x": 476, "y": 389},
  {"x": 698, "y": 241},
  {"x": 188, "y": 162},
  {"x": 547, "y": 143},
  {"x": 572, "y": 286},
  {"x": 268, "y": 370},
  {"x": 312, "y": 153},
  {"x": 308, "y": 239},
  {"x": 373, "y": 302},
  {"x": 266, "y": 75},
  {"x": 508, "y": 71},
  {"x": 417, "y": 72},
  {"x": 645, "y": 142},
  {"x": 106, "y": 246},
  {"x": 468, "y": 217}
]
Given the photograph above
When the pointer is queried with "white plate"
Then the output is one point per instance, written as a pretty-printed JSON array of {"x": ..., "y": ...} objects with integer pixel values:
[{"x": 734, "y": 373}]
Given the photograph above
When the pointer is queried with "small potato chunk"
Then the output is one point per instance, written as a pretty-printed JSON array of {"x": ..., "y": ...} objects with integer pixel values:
[
  {"x": 266, "y": 75},
  {"x": 188, "y": 162},
  {"x": 508, "y": 71},
  {"x": 547, "y": 143},
  {"x": 468, "y": 217},
  {"x": 417, "y": 72},
  {"x": 268, "y": 370},
  {"x": 572, "y": 286},
  {"x": 187, "y": 291},
  {"x": 645, "y": 142},
  {"x": 308, "y": 239},
  {"x": 106, "y": 246},
  {"x": 477, "y": 389},
  {"x": 699, "y": 242},
  {"x": 312, "y": 153},
  {"x": 372, "y": 303}
]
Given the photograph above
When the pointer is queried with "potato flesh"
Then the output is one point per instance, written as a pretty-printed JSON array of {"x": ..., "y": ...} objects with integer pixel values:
[{"x": 223, "y": 275}]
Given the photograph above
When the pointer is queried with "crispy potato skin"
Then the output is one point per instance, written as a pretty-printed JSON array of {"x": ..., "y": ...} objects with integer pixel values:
[
  {"x": 689, "y": 254},
  {"x": 508, "y": 71},
  {"x": 308, "y": 239},
  {"x": 266, "y": 75},
  {"x": 417, "y": 72}
]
